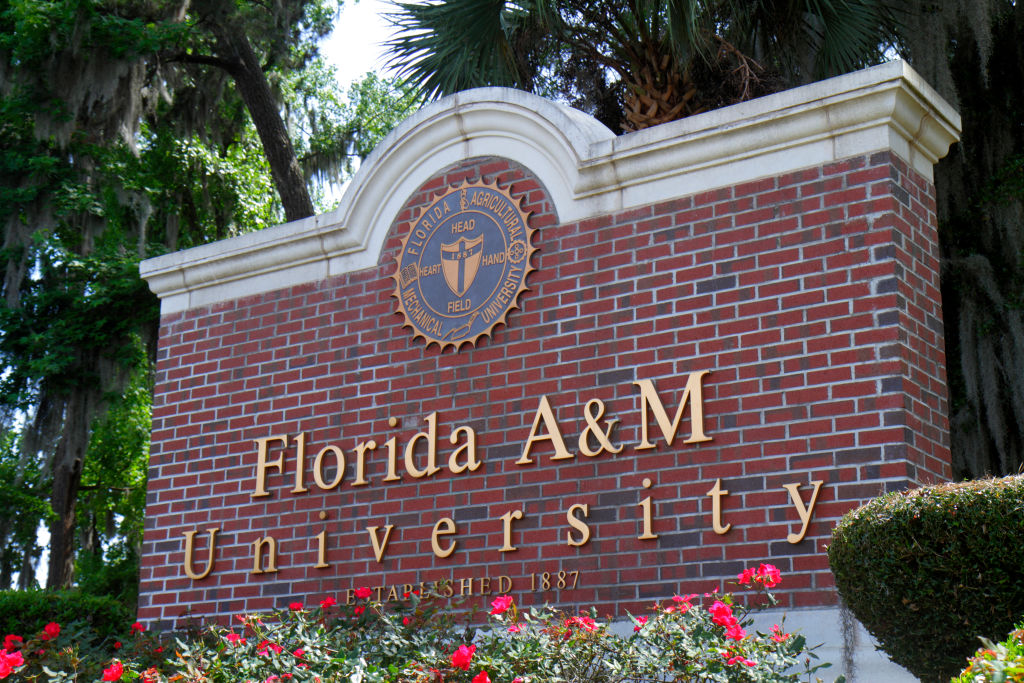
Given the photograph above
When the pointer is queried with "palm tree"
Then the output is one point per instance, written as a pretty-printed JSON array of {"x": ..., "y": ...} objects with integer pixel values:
[{"x": 635, "y": 63}]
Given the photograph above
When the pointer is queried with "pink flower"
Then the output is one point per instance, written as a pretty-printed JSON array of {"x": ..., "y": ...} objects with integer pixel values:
[
  {"x": 50, "y": 631},
  {"x": 363, "y": 593},
  {"x": 295, "y": 606},
  {"x": 500, "y": 604},
  {"x": 735, "y": 632},
  {"x": 114, "y": 672},
  {"x": 769, "y": 575},
  {"x": 515, "y": 628},
  {"x": 721, "y": 613},
  {"x": 266, "y": 645},
  {"x": 9, "y": 662},
  {"x": 328, "y": 602},
  {"x": 640, "y": 621},
  {"x": 12, "y": 642},
  {"x": 585, "y": 623},
  {"x": 299, "y": 653},
  {"x": 235, "y": 639},
  {"x": 463, "y": 656},
  {"x": 777, "y": 635},
  {"x": 746, "y": 576},
  {"x": 137, "y": 627},
  {"x": 482, "y": 677}
]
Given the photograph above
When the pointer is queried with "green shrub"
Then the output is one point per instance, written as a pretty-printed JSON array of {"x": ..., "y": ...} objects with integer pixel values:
[
  {"x": 419, "y": 641},
  {"x": 997, "y": 663},
  {"x": 27, "y": 612},
  {"x": 929, "y": 569}
]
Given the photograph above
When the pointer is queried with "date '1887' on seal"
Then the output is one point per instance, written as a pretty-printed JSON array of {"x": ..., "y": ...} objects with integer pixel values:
[{"x": 464, "y": 264}]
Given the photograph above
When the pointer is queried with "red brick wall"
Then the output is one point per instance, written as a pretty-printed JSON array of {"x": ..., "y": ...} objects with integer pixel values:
[{"x": 812, "y": 299}]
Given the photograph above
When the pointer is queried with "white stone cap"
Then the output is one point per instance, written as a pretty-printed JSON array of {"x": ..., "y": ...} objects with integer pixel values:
[{"x": 585, "y": 168}]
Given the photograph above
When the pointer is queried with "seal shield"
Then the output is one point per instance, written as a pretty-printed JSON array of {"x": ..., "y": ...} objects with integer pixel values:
[{"x": 463, "y": 264}]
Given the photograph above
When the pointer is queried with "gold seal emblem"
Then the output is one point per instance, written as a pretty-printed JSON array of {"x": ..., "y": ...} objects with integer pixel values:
[{"x": 463, "y": 264}]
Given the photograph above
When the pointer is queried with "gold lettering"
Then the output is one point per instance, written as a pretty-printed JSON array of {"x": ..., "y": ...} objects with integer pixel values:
[
  {"x": 393, "y": 593},
  {"x": 318, "y": 471},
  {"x": 392, "y": 447},
  {"x": 577, "y": 524},
  {"x": 504, "y": 584},
  {"x": 804, "y": 512},
  {"x": 465, "y": 587},
  {"x": 469, "y": 448},
  {"x": 485, "y": 585},
  {"x": 321, "y": 550},
  {"x": 379, "y": 546},
  {"x": 410, "y": 450},
  {"x": 361, "y": 461},
  {"x": 262, "y": 465},
  {"x": 716, "y": 494},
  {"x": 444, "y": 527},
  {"x": 553, "y": 434},
  {"x": 300, "y": 464},
  {"x": 592, "y": 412},
  {"x": 257, "y": 555},
  {"x": 649, "y": 397},
  {"x": 507, "y": 529},
  {"x": 189, "y": 549}
]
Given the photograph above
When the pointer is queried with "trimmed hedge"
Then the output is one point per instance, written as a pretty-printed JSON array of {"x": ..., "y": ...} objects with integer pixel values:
[
  {"x": 27, "y": 612},
  {"x": 929, "y": 570}
]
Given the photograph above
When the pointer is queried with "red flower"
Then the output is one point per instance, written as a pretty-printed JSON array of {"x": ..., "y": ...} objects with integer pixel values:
[
  {"x": 405, "y": 621},
  {"x": 482, "y": 677},
  {"x": 298, "y": 653},
  {"x": 328, "y": 602},
  {"x": 463, "y": 656},
  {"x": 235, "y": 639},
  {"x": 500, "y": 604},
  {"x": 50, "y": 631},
  {"x": 777, "y": 635},
  {"x": 640, "y": 621},
  {"x": 295, "y": 606},
  {"x": 9, "y": 662},
  {"x": 363, "y": 593},
  {"x": 515, "y": 628},
  {"x": 137, "y": 627},
  {"x": 359, "y": 609},
  {"x": 117, "y": 644},
  {"x": 114, "y": 672},
  {"x": 12, "y": 642}
]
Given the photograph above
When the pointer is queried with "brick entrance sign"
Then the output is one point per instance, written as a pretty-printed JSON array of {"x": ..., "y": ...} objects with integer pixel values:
[{"x": 527, "y": 356}]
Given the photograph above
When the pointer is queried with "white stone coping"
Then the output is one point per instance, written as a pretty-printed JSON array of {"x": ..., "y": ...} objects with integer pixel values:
[{"x": 586, "y": 169}]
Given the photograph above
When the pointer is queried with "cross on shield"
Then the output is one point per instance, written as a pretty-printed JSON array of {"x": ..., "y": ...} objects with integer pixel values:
[{"x": 460, "y": 262}]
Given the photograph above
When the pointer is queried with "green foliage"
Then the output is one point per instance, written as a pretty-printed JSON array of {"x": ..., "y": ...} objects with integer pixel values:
[
  {"x": 597, "y": 55},
  {"x": 997, "y": 662},
  {"x": 96, "y": 618},
  {"x": 418, "y": 641},
  {"x": 929, "y": 569}
]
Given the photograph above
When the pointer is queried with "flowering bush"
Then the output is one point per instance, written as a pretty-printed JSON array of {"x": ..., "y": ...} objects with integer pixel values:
[
  {"x": 416, "y": 641},
  {"x": 996, "y": 663}
]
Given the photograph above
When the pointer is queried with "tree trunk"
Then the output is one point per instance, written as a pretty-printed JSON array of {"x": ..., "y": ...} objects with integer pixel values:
[
  {"x": 234, "y": 47},
  {"x": 67, "y": 478}
]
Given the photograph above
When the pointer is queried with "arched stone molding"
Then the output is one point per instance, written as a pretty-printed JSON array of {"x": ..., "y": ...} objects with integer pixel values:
[{"x": 587, "y": 170}]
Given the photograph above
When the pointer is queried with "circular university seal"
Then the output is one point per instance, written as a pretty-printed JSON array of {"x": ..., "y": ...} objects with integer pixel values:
[{"x": 464, "y": 264}]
